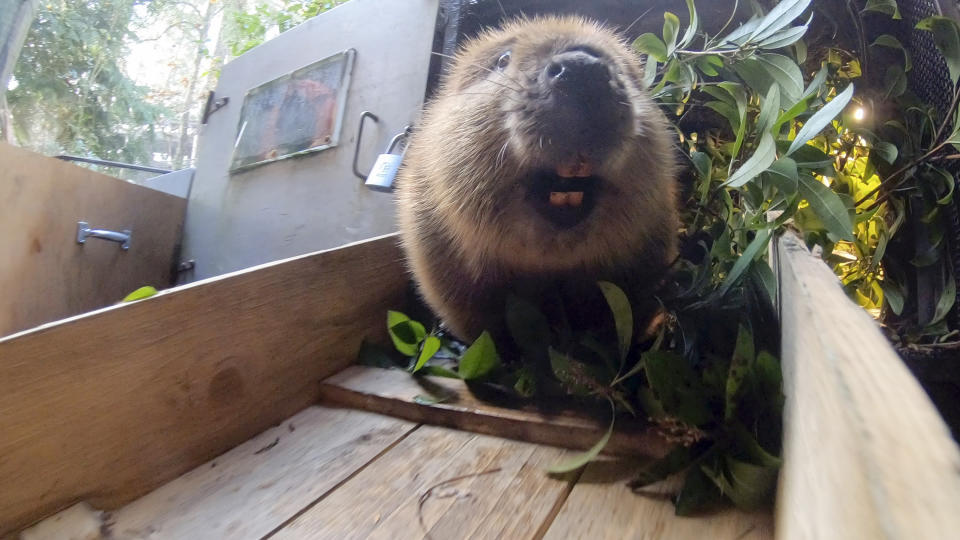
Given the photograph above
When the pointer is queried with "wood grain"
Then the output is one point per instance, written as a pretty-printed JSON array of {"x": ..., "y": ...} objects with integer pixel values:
[
  {"x": 259, "y": 485},
  {"x": 47, "y": 275},
  {"x": 865, "y": 453},
  {"x": 394, "y": 392},
  {"x": 107, "y": 406},
  {"x": 511, "y": 501},
  {"x": 602, "y": 506}
]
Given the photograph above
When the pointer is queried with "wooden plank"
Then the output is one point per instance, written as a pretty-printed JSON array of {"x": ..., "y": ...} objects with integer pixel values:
[
  {"x": 107, "y": 406},
  {"x": 393, "y": 392},
  {"x": 47, "y": 275},
  {"x": 602, "y": 506},
  {"x": 259, "y": 485},
  {"x": 866, "y": 455},
  {"x": 440, "y": 467}
]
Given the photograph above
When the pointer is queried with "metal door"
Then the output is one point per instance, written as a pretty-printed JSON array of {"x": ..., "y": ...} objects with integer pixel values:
[{"x": 272, "y": 207}]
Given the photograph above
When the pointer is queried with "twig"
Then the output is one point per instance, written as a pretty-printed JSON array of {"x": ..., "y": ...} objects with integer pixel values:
[{"x": 426, "y": 494}]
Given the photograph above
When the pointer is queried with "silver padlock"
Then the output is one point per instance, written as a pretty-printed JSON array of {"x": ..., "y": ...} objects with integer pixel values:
[{"x": 385, "y": 169}]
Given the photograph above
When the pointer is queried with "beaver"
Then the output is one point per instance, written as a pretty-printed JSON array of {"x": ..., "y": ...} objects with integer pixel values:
[{"x": 540, "y": 158}]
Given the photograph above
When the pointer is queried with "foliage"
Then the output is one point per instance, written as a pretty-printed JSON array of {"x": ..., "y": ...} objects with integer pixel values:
[
  {"x": 250, "y": 29},
  {"x": 70, "y": 83},
  {"x": 776, "y": 136}
]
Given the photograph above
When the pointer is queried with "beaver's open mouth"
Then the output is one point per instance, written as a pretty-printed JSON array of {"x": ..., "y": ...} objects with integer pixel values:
[{"x": 565, "y": 195}]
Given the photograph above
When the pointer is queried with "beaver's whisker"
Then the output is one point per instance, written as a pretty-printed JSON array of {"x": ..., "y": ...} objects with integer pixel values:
[
  {"x": 518, "y": 102},
  {"x": 502, "y": 155}
]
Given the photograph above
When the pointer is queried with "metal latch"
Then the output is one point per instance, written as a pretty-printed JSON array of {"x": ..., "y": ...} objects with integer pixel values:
[{"x": 84, "y": 231}]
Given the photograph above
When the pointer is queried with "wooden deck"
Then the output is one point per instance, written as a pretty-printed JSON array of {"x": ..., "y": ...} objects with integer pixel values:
[
  {"x": 333, "y": 471},
  {"x": 142, "y": 411},
  {"x": 339, "y": 473}
]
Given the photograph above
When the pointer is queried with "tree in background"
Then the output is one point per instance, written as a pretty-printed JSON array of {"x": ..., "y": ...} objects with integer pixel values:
[
  {"x": 246, "y": 30},
  {"x": 70, "y": 92},
  {"x": 126, "y": 80}
]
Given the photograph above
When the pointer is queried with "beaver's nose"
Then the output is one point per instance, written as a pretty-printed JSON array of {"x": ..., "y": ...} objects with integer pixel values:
[{"x": 576, "y": 69}]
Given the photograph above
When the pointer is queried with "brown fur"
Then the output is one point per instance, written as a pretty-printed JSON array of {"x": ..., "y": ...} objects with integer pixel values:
[{"x": 466, "y": 228}]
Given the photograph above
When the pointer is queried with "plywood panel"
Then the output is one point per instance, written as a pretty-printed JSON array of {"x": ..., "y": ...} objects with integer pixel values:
[
  {"x": 865, "y": 453},
  {"x": 110, "y": 405},
  {"x": 46, "y": 274},
  {"x": 259, "y": 485},
  {"x": 440, "y": 484},
  {"x": 602, "y": 506},
  {"x": 395, "y": 392}
]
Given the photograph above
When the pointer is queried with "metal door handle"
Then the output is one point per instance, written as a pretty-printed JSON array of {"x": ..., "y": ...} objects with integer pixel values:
[
  {"x": 84, "y": 231},
  {"x": 356, "y": 150}
]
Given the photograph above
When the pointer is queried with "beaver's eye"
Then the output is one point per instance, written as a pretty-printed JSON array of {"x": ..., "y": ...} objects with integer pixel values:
[{"x": 503, "y": 61}]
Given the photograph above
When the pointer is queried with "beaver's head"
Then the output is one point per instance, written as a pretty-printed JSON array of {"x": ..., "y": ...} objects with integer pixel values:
[{"x": 547, "y": 149}]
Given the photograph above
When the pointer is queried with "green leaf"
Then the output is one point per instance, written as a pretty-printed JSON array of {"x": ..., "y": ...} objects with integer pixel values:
[
  {"x": 405, "y": 333},
  {"x": 946, "y": 36},
  {"x": 826, "y": 204},
  {"x": 692, "y": 27},
  {"x": 677, "y": 386},
  {"x": 893, "y": 294},
  {"x": 698, "y": 494},
  {"x": 764, "y": 70},
  {"x": 769, "y": 110},
  {"x": 891, "y": 42},
  {"x": 649, "y": 71},
  {"x": 651, "y": 45},
  {"x": 671, "y": 27},
  {"x": 761, "y": 159},
  {"x": 622, "y": 315},
  {"x": 784, "y": 38},
  {"x": 888, "y": 7},
  {"x": 885, "y": 151},
  {"x": 748, "y": 486},
  {"x": 703, "y": 164},
  {"x": 139, "y": 294},
  {"x": 709, "y": 64},
  {"x": 779, "y": 17},
  {"x": 727, "y": 111},
  {"x": 812, "y": 158},
  {"x": 948, "y": 295},
  {"x": 743, "y": 355},
  {"x": 755, "y": 248},
  {"x": 821, "y": 119},
  {"x": 480, "y": 359},
  {"x": 796, "y": 110},
  {"x": 580, "y": 460},
  {"x": 763, "y": 278},
  {"x": 946, "y": 179},
  {"x": 783, "y": 174},
  {"x": 430, "y": 347},
  {"x": 742, "y": 33}
]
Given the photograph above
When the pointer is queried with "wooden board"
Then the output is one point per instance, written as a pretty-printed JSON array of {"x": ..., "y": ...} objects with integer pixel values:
[
  {"x": 396, "y": 393},
  {"x": 602, "y": 506},
  {"x": 865, "y": 453},
  {"x": 46, "y": 274},
  {"x": 440, "y": 467},
  {"x": 256, "y": 487},
  {"x": 107, "y": 406}
]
